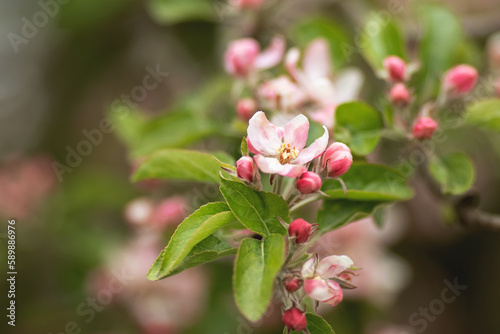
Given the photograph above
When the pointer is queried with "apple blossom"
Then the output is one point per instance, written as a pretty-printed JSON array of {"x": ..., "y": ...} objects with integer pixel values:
[
  {"x": 294, "y": 319},
  {"x": 245, "y": 108},
  {"x": 424, "y": 128},
  {"x": 243, "y": 56},
  {"x": 308, "y": 182},
  {"x": 281, "y": 94},
  {"x": 245, "y": 168},
  {"x": 282, "y": 150},
  {"x": 460, "y": 80},
  {"x": 317, "y": 278},
  {"x": 395, "y": 68},
  {"x": 169, "y": 212},
  {"x": 300, "y": 230},
  {"x": 337, "y": 159},
  {"x": 399, "y": 95}
]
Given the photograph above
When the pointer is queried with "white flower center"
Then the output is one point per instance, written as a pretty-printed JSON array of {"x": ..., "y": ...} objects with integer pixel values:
[{"x": 287, "y": 153}]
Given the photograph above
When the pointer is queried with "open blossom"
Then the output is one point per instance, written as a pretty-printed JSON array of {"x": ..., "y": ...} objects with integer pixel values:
[
  {"x": 282, "y": 150},
  {"x": 317, "y": 278},
  {"x": 460, "y": 80},
  {"x": 243, "y": 56},
  {"x": 281, "y": 94},
  {"x": 316, "y": 80}
]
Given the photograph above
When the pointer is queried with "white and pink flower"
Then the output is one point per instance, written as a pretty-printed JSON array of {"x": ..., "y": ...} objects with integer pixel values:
[
  {"x": 243, "y": 56},
  {"x": 317, "y": 278},
  {"x": 282, "y": 150}
]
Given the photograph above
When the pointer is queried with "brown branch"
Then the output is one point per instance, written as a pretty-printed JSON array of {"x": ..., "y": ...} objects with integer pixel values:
[{"x": 471, "y": 216}]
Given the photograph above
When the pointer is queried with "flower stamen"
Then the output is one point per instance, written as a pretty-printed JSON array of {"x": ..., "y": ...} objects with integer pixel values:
[{"x": 287, "y": 153}]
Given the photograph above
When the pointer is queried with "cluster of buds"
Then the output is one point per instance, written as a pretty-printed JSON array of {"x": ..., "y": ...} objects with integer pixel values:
[{"x": 396, "y": 71}]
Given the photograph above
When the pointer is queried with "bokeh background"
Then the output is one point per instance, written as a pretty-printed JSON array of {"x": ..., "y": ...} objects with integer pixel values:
[{"x": 81, "y": 255}]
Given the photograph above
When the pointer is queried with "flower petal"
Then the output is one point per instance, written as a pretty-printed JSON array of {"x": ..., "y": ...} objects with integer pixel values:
[
  {"x": 295, "y": 132},
  {"x": 333, "y": 265},
  {"x": 272, "y": 55},
  {"x": 314, "y": 150},
  {"x": 317, "y": 60},
  {"x": 336, "y": 294},
  {"x": 348, "y": 85},
  {"x": 309, "y": 268},
  {"x": 263, "y": 135},
  {"x": 324, "y": 291},
  {"x": 291, "y": 63},
  {"x": 273, "y": 166}
]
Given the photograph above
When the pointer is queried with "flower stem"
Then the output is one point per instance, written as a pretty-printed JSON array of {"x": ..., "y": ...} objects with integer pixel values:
[{"x": 308, "y": 200}]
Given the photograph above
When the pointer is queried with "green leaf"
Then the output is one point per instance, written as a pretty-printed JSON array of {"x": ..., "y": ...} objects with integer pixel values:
[
  {"x": 177, "y": 164},
  {"x": 337, "y": 213},
  {"x": 484, "y": 114},
  {"x": 89, "y": 14},
  {"x": 306, "y": 31},
  {"x": 363, "y": 123},
  {"x": 172, "y": 130},
  {"x": 207, "y": 250},
  {"x": 256, "y": 266},
  {"x": 455, "y": 173},
  {"x": 198, "y": 226},
  {"x": 317, "y": 325},
  {"x": 386, "y": 42},
  {"x": 368, "y": 182},
  {"x": 438, "y": 50},
  {"x": 175, "y": 11},
  {"x": 128, "y": 122},
  {"x": 257, "y": 210}
]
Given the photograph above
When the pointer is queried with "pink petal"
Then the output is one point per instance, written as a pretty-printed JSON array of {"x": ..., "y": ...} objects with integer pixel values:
[
  {"x": 348, "y": 85},
  {"x": 325, "y": 115},
  {"x": 272, "y": 55},
  {"x": 324, "y": 291},
  {"x": 291, "y": 63},
  {"x": 336, "y": 294},
  {"x": 273, "y": 166},
  {"x": 317, "y": 61},
  {"x": 263, "y": 135},
  {"x": 314, "y": 150},
  {"x": 333, "y": 265},
  {"x": 295, "y": 132},
  {"x": 309, "y": 268}
]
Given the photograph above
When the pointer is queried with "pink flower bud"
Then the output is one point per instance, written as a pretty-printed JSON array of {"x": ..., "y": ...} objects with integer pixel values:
[
  {"x": 291, "y": 283},
  {"x": 325, "y": 291},
  {"x": 308, "y": 182},
  {"x": 399, "y": 95},
  {"x": 248, "y": 4},
  {"x": 245, "y": 108},
  {"x": 337, "y": 159},
  {"x": 170, "y": 212},
  {"x": 240, "y": 57},
  {"x": 424, "y": 128},
  {"x": 294, "y": 319},
  {"x": 300, "y": 229},
  {"x": 396, "y": 68},
  {"x": 245, "y": 168},
  {"x": 460, "y": 80}
]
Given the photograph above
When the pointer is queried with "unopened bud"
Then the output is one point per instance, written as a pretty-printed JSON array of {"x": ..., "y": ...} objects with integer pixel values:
[
  {"x": 292, "y": 283},
  {"x": 399, "y": 95},
  {"x": 294, "y": 319},
  {"x": 460, "y": 80},
  {"x": 245, "y": 108},
  {"x": 396, "y": 68},
  {"x": 424, "y": 128},
  {"x": 245, "y": 168},
  {"x": 300, "y": 229},
  {"x": 240, "y": 57},
  {"x": 308, "y": 182},
  {"x": 337, "y": 159}
]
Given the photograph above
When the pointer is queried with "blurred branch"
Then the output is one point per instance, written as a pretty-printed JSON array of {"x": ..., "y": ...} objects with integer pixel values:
[{"x": 471, "y": 216}]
